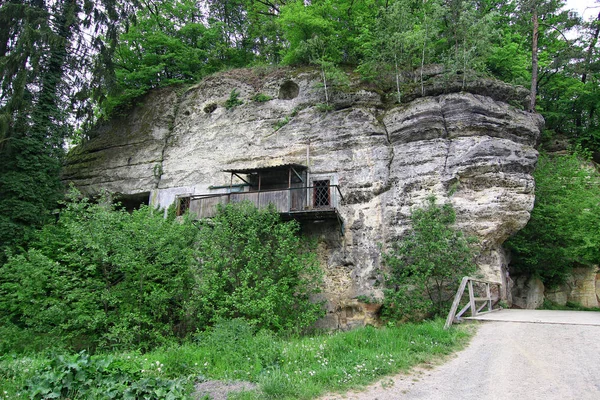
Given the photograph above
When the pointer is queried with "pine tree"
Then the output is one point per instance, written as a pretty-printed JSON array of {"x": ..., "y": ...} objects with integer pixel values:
[{"x": 43, "y": 53}]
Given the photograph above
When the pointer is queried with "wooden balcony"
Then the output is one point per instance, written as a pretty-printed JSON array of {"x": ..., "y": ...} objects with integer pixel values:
[{"x": 304, "y": 203}]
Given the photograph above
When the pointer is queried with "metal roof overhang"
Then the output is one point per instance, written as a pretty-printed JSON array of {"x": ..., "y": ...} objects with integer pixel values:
[{"x": 247, "y": 171}]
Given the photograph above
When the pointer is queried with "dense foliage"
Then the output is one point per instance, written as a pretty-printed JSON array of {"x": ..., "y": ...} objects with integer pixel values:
[
  {"x": 81, "y": 376},
  {"x": 48, "y": 51},
  {"x": 102, "y": 277},
  {"x": 425, "y": 267},
  {"x": 255, "y": 267},
  {"x": 564, "y": 230}
]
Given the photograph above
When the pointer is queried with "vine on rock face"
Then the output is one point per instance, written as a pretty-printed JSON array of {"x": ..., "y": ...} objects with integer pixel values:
[{"x": 426, "y": 265}]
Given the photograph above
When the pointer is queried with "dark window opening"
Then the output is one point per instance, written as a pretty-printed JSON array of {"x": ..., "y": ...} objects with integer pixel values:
[
  {"x": 321, "y": 194},
  {"x": 131, "y": 202},
  {"x": 276, "y": 179},
  {"x": 183, "y": 205}
]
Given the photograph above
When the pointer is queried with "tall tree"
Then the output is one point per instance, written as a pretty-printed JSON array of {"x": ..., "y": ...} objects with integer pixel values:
[
  {"x": 44, "y": 49},
  {"x": 34, "y": 123}
]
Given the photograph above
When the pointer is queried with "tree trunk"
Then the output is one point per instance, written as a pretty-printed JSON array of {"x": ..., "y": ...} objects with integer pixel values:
[
  {"x": 534, "y": 58},
  {"x": 586, "y": 67},
  {"x": 423, "y": 54},
  {"x": 397, "y": 77},
  {"x": 590, "y": 50}
]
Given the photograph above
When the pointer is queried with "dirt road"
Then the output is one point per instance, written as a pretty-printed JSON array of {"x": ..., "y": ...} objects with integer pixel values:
[{"x": 506, "y": 360}]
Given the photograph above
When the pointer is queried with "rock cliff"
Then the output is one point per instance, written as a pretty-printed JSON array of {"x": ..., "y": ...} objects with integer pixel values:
[{"x": 470, "y": 146}]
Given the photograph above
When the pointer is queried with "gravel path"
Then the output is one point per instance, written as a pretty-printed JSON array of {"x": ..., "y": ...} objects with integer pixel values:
[{"x": 506, "y": 360}]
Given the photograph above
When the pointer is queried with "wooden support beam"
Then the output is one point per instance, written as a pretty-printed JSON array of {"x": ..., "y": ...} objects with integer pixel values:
[
  {"x": 461, "y": 312},
  {"x": 481, "y": 307},
  {"x": 456, "y": 302},
  {"x": 471, "y": 304},
  {"x": 489, "y": 295},
  {"x": 297, "y": 174},
  {"x": 243, "y": 180},
  {"x": 472, "y": 299}
]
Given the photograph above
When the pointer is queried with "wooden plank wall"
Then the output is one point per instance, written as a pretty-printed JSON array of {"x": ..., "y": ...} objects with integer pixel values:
[{"x": 284, "y": 201}]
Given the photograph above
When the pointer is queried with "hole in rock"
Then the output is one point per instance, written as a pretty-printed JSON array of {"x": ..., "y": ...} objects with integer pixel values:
[
  {"x": 210, "y": 108},
  {"x": 289, "y": 90}
]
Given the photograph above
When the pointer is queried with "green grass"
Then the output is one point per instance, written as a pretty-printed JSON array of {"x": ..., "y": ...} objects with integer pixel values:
[
  {"x": 283, "y": 368},
  {"x": 570, "y": 306}
]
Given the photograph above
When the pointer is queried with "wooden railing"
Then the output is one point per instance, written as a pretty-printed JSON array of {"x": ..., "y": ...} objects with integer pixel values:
[
  {"x": 476, "y": 309},
  {"x": 299, "y": 199}
]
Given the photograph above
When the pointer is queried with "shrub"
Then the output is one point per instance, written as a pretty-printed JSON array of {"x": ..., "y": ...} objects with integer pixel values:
[
  {"x": 261, "y": 98},
  {"x": 426, "y": 266},
  {"x": 281, "y": 123},
  {"x": 254, "y": 266},
  {"x": 233, "y": 100},
  {"x": 322, "y": 107},
  {"x": 103, "y": 277}
]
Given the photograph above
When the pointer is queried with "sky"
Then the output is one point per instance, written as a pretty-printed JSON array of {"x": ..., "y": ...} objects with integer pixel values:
[{"x": 587, "y": 8}]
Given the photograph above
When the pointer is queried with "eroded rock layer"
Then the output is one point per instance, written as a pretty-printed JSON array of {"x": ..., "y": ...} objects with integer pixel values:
[{"x": 474, "y": 150}]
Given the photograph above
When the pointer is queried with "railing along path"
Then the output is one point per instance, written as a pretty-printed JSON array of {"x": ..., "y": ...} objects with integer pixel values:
[{"x": 476, "y": 309}]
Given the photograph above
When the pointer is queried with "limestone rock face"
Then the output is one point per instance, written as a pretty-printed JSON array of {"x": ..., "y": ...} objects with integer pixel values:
[
  {"x": 473, "y": 150},
  {"x": 582, "y": 287},
  {"x": 527, "y": 293}
]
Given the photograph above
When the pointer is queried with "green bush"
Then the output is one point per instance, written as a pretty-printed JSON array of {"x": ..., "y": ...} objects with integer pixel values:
[
  {"x": 564, "y": 229},
  {"x": 254, "y": 266},
  {"x": 426, "y": 266},
  {"x": 103, "y": 277},
  {"x": 233, "y": 100},
  {"x": 322, "y": 107},
  {"x": 281, "y": 123},
  {"x": 261, "y": 98}
]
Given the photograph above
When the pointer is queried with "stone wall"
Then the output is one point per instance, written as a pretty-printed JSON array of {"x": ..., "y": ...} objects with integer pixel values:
[{"x": 470, "y": 148}]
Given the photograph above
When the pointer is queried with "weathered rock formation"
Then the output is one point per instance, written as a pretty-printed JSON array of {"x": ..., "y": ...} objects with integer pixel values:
[
  {"x": 470, "y": 148},
  {"x": 582, "y": 287},
  {"x": 528, "y": 292}
]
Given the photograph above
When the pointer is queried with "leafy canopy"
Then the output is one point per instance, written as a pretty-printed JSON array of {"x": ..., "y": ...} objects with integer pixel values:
[
  {"x": 564, "y": 229},
  {"x": 103, "y": 277}
]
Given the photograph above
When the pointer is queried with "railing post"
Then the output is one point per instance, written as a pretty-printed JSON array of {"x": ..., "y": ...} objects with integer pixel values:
[
  {"x": 456, "y": 302},
  {"x": 489, "y": 296},
  {"x": 472, "y": 299}
]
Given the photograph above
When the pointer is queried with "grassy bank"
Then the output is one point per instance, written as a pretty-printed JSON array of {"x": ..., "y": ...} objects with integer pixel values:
[{"x": 283, "y": 368}]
